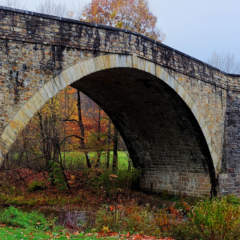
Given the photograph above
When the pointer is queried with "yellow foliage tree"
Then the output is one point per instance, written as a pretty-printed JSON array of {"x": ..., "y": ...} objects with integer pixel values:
[{"x": 133, "y": 15}]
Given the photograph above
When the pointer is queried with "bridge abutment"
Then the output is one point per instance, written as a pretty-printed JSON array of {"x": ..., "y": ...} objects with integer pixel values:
[{"x": 229, "y": 178}]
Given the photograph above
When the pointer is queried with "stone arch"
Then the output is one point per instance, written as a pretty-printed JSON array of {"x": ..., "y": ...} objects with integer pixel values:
[{"x": 87, "y": 67}]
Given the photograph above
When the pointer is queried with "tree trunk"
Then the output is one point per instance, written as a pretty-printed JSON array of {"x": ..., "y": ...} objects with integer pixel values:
[
  {"x": 109, "y": 137},
  {"x": 81, "y": 127},
  {"x": 43, "y": 125},
  {"x": 98, "y": 137},
  {"x": 129, "y": 163},
  {"x": 6, "y": 164},
  {"x": 115, "y": 151},
  {"x": 62, "y": 167}
]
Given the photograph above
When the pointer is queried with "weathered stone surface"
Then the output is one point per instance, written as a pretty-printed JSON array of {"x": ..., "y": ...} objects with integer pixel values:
[{"x": 179, "y": 116}]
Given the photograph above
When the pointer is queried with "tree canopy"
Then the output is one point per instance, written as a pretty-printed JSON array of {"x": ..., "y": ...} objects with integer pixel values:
[{"x": 133, "y": 15}]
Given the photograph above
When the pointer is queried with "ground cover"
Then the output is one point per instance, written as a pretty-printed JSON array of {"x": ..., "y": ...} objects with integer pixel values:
[
  {"x": 96, "y": 191},
  {"x": 17, "y": 224},
  {"x": 111, "y": 207}
]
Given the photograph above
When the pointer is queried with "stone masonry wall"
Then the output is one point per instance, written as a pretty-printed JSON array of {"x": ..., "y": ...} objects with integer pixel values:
[
  {"x": 229, "y": 178},
  {"x": 34, "y": 48}
]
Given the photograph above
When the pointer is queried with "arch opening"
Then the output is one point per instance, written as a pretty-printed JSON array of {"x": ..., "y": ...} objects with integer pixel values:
[{"x": 162, "y": 135}]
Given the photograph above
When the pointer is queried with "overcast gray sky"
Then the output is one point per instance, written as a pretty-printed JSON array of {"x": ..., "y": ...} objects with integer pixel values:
[{"x": 195, "y": 27}]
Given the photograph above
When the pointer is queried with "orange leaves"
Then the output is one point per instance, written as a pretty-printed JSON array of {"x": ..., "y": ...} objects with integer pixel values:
[
  {"x": 75, "y": 233},
  {"x": 112, "y": 176},
  {"x": 133, "y": 15},
  {"x": 134, "y": 218},
  {"x": 173, "y": 210},
  {"x": 107, "y": 234},
  {"x": 111, "y": 208},
  {"x": 68, "y": 236},
  {"x": 186, "y": 206},
  {"x": 72, "y": 179},
  {"x": 128, "y": 236},
  {"x": 97, "y": 11}
]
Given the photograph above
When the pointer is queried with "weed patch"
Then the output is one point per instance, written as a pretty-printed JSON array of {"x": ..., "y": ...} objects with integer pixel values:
[
  {"x": 36, "y": 185},
  {"x": 136, "y": 219},
  {"x": 211, "y": 220}
]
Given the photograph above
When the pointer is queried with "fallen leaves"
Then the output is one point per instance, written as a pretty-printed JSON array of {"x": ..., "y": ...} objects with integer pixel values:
[
  {"x": 84, "y": 195},
  {"x": 129, "y": 237},
  {"x": 133, "y": 237}
]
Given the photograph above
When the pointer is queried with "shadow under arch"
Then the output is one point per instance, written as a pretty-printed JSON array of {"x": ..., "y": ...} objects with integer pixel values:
[{"x": 160, "y": 123}]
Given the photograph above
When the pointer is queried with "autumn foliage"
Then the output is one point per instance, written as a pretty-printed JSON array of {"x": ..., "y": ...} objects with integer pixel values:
[
  {"x": 55, "y": 128},
  {"x": 133, "y": 15}
]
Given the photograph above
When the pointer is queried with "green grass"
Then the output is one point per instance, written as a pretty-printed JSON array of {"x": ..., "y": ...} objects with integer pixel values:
[
  {"x": 17, "y": 218},
  {"x": 10, "y": 233},
  {"x": 19, "y": 225},
  {"x": 77, "y": 159}
]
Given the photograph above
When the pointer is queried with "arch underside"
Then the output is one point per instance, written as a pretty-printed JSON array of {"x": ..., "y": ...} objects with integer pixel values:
[{"x": 164, "y": 137}]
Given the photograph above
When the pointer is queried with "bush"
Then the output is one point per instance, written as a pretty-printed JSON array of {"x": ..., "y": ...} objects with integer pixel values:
[
  {"x": 212, "y": 220},
  {"x": 36, "y": 185},
  {"x": 17, "y": 218},
  {"x": 233, "y": 199},
  {"x": 57, "y": 176},
  {"x": 133, "y": 219},
  {"x": 111, "y": 183}
]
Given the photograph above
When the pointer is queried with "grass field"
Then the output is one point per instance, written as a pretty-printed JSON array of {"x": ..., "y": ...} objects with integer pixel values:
[{"x": 75, "y": 160}]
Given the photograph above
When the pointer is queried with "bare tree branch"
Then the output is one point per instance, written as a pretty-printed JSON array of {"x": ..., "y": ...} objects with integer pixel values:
[
  {"x": 225, "y": 62},
  {"x": 52, "y": 8}
]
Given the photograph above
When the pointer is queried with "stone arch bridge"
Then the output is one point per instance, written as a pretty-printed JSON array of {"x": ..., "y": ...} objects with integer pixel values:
[{"x": 179, "y": 117}]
